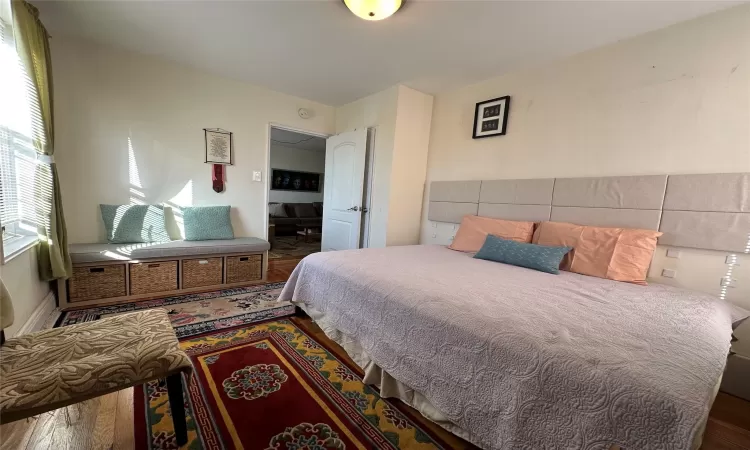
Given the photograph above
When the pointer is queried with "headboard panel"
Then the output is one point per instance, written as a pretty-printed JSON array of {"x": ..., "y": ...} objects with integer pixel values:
[
  {"x": 450, "y": 201},
  {"x": 721, "y": 192},
  {"x": 638, "y": 192},
  {"x": 698, "y": 211},
  {"x": 644, "y": 219},
  {"x": 455, "y": 191},
  {"x": 518, "y": 192},
  {"x": 451, "y": 212},
  {"x": 631, "y": 202},
  {"x": 530, "y": 213},
  {"x": 526, "y": 200},
  {"x": 708, "y": 211}
]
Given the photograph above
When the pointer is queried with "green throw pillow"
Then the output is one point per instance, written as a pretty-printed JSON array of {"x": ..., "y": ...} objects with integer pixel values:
[
  {"x": 203, "y": 223},
  {"x": 128, "y": 224}
]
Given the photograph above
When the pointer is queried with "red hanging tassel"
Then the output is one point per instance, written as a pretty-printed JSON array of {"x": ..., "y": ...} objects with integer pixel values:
[{"x": 218, "y": 177}]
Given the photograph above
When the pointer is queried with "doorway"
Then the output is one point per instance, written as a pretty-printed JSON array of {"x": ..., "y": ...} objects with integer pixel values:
[{"x": 296, "y": 176}]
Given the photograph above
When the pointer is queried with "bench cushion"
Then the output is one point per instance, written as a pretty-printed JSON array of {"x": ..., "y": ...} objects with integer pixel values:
[
  {"x": 54, "y": 368},
  {"x": 88, "y": 253}
]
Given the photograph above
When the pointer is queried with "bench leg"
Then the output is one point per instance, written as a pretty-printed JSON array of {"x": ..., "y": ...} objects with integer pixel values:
[{"x": 177, "y": 406}]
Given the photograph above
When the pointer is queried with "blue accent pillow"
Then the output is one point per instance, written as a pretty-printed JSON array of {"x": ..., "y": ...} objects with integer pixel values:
[
  {"x": 127, "y": 224},
  {"x": 532, "y": 256},
  {"x": 203, "y": 223}
]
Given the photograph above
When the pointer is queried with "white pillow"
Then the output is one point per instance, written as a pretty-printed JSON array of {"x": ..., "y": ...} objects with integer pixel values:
[{"x": 277, "y": 210}]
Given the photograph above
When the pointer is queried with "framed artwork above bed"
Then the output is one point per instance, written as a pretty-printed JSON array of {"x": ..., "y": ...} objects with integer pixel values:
[{"x": 491, "y": 117}]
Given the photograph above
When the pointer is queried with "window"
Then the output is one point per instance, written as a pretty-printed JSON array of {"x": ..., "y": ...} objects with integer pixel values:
[{"x": 21, "y": 184}]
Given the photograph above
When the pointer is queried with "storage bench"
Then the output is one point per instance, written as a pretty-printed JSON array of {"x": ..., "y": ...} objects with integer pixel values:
[{"x": 117, "y": 273}]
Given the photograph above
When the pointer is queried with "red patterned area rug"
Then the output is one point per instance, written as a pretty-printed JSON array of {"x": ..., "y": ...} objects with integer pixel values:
[{"x": 272, "y": 386}]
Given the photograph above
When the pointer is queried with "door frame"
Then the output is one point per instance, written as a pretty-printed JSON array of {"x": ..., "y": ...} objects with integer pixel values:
[
  {"x": 364, "y": 240},
  {"x": 267, "y": 194}
]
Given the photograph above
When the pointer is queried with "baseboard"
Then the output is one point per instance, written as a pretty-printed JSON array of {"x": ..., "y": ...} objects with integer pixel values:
[{"x": 39, "y": 316}]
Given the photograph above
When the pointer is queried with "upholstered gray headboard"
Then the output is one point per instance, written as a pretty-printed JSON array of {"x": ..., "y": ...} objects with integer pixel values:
[{"x": 701, "y": 211}]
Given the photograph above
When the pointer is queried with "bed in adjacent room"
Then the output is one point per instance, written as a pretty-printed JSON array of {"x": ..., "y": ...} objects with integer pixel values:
[{"x": 514, "y": 358}]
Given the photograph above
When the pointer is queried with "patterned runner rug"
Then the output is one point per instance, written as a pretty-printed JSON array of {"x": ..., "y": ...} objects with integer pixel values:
[
  {"x": 272, "y": 386},
  {"x": 193, "y": 314}
]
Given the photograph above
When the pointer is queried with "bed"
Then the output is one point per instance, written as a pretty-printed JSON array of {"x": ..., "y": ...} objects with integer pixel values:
[{"x": 512, "y": 358}]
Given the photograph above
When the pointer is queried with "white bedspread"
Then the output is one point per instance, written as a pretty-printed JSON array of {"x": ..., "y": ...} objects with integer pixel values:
[{"x": 523, "y": 359}]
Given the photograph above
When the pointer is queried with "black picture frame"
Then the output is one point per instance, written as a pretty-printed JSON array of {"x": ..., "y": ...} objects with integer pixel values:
[
  {"x": 229, "y": 137},
  {"x": 295, "y": 180},
  {"x": 494, "y": 118}
]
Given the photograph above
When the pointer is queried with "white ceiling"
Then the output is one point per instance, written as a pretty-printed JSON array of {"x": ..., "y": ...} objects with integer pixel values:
[
  {"x": 317, "y": 49},
  {"x": 297, "y": 140}
]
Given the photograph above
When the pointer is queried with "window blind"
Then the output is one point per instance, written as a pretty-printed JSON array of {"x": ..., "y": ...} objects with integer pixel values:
[
  {"x": 25, "y": 189},
  {"x": 8, "y": 190}
]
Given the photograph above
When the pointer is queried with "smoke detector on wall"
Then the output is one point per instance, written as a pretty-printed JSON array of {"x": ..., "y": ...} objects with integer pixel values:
[{"x": 304, "y": 113}]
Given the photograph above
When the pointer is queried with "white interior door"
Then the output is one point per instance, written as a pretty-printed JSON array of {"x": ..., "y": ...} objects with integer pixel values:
[{"x": 342, "y": 191}]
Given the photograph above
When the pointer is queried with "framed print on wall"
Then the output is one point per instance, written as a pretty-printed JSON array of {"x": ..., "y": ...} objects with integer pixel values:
[
  {"x": 293, "y": 180},
  {"x": 491, "y": 117},
  {"x": 218, "y": 146}
]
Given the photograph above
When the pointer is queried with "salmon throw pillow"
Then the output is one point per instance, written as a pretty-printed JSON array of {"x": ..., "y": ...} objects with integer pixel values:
[
  {"x": 620, "y": 254},
  {"x": 474, "y": 230}
]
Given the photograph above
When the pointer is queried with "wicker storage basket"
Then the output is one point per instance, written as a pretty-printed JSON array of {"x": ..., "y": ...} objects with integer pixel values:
[
  {"x": 92, "y": 283},
  {"x": 146, "y": 278},
  {"x": 244, "y": 268},
  {"x": 201, "y": 272}
]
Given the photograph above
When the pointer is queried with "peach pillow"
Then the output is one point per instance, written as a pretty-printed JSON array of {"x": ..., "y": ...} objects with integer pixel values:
[
  {"x": 474, "y": 230},
  {"x": 620, "y": 254}
]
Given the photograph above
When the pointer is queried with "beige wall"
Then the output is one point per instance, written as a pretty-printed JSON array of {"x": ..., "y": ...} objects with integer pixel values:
[
  {"x": 409, "y": 167},
  {"x": 401, "y": 117},
  {"x": 108, "y": 101},
  {"x": 21, "y": 277},
  {"x": 672, "y": 101}
]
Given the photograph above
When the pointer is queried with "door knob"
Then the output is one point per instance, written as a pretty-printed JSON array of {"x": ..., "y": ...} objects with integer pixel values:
[{"x": 353, "y": 208}]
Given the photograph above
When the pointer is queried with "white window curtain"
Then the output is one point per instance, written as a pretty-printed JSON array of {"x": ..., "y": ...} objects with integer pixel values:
[{"x": 20, "y": 119}]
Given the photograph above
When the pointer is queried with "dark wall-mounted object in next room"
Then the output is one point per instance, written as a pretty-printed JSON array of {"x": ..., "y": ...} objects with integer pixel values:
[
  {"x": 291, "y": 180},
  {"x": 491, "y": 117}
]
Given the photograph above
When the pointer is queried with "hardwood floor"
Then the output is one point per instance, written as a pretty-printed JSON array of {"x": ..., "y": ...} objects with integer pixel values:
[
  {"x": 107, "y": 422},
  {"x": 280, "y": 269},
  {"x": 728, "y": 425}
]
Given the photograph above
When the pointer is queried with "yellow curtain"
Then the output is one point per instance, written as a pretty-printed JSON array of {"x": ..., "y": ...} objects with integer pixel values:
[{"x": 32, "y": 45}]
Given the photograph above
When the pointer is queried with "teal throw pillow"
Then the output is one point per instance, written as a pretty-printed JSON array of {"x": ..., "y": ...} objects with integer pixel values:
[
  {"x": 532, "y": 256},
  {"x": 128, "y": 224},
  {"x": 203, "y": 223}
]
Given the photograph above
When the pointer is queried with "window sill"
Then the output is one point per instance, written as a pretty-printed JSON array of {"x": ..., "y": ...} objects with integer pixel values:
[{"x": 18, "y": 247}]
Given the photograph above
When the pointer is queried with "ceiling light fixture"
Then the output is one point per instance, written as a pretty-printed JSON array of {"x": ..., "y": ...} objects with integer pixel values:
[{"x": 373, "y": 9}]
